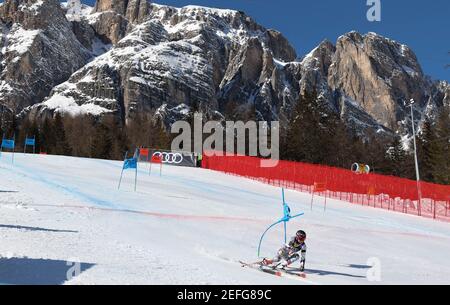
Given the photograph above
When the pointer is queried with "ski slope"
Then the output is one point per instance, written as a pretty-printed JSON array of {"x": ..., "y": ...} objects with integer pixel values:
[{"x": 192, "y": 226}]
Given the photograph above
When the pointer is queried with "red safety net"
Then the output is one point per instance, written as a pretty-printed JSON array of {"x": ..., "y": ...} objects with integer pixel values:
[{"x": 386, "y": 192}]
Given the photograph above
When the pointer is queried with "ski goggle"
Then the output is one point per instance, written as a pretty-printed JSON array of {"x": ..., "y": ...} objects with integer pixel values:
[{"x": 301, "y": 237}]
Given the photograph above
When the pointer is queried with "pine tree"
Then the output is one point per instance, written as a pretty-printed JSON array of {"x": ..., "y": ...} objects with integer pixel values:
[
  {"x": 61, "y": 145},
  {"x": 117, "y": 136},
  {"x": 311, "y": 134},
  {"x": 101, "y": 146},
  {"x": 190, "y": 119},
  {"x": 297, "y": 131},
  {"x": 161, "y": 139},
  {"x": 79, "y": 131},
  {"x": 374, "y": 152},
  {"x": 47, "y": 137},
  {"x": 24, "y": 128},
  {"x": 428, "y": 151},
  {"x": 12, "y": 128},
  {"x": 442, "y": 163},
  {"x": 396, "y": 157}
]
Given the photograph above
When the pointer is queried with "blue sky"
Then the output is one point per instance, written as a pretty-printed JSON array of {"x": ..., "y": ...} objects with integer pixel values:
[{"x": 423, "y": 25}]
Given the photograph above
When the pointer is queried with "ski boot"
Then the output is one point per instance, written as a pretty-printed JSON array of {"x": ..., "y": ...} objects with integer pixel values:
[{"x": 302, "y": 266}]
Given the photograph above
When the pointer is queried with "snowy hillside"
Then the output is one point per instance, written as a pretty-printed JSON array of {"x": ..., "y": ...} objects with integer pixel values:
[{"x": 191, "y": 226}]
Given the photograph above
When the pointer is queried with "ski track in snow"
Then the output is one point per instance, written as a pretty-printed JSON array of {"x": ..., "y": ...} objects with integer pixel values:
[{"x": 192, "y": 226}]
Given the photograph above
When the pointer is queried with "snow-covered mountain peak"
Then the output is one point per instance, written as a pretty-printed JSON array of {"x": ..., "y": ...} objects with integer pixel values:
[{"x": 139, "y": 57}]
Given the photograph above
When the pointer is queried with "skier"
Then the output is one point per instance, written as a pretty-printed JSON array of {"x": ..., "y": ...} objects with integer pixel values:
[{"x": 290, "y": 253}]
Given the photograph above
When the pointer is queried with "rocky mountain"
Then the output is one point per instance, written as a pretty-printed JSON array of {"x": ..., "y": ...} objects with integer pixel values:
[
  {"x": 39, "y": 50},
  {"x": 127, "y": 57}
]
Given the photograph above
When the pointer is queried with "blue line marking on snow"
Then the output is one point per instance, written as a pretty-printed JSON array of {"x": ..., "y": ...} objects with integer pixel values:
[{"x": 25, "y": 171}]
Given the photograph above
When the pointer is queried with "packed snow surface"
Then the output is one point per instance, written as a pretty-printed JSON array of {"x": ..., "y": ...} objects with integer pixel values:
[{"x": 192, "y": 226}]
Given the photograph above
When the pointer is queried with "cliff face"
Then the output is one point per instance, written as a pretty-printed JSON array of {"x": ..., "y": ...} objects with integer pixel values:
[
  {"x": 178, "y": 57},
  {"x": 379, "y": 74},
  {"x": 38, "y": 51},
  {"x": 113, "y": 19},
  {"x": 128, "y": 57}
]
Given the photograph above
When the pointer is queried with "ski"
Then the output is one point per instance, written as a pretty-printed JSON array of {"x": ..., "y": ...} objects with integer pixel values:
[
  {"x": 244, "y": 264},
  {"x": 283, "y": 272},
  {"x": 274, "y": 271},
  {"x": 294, "y": 272}
]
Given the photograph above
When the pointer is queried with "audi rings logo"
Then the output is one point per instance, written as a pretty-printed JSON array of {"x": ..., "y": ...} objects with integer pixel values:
[
  {"x": 360, "y": 168},
  {"x": 169, "y": 158}
]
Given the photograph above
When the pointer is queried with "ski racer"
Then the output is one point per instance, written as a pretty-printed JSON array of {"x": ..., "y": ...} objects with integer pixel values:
[{"x": 290, "y": 253}]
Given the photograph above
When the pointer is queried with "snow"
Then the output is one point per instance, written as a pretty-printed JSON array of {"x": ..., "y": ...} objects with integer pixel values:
[
  {"x": 87, "y": 79},
  {"x": 216, "y": 18},
  {"x": 35, "y": 6},
  {"x": 5, "y": 87},
  {"x": 92, "y": 18},
  {"x": 352, "y": 102},
  {"x": 31, "y": 8},
  {"x": 280, "y": 63},
  {"x": 182, "y": 109},
  {"x": 406, "y": 142},
  {"x": 214, "y": 11},
  {"x": 403, "y": 50},
  {"x": 99, "y": 47},
  {"x": 411, "y": 72},
  {"x": 76, "y": 10},
  {"x": 310, "y": 60},
  {"x": 139, "y": 80},
  {"x": 184, "y": 26},
  {"x": 19, "y": 40},
  {"x": 191, "y": 226},
  {"x": 66, "y": 104}
]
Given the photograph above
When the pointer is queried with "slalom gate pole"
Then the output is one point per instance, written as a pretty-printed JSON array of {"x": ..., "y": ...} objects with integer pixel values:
[
  {"x": 135, "y": 177},
  {"x": 262, "y": 236},
  {"x": 137, "y": 154},
  {"x": 284, "y": 207},
  {"x": 14, "y": 149},
  {"x": 120, "y": 180},
  {"x": 121, "y": 175}
]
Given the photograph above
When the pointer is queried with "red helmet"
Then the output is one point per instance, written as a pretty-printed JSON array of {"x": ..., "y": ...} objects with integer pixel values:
[{"x": 300, "y": 236}]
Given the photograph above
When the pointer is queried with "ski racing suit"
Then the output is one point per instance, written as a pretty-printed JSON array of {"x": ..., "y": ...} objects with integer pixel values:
[{"x": 290, "y": 254}]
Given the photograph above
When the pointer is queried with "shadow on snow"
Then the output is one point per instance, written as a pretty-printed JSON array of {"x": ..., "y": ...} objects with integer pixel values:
[
  {"x": 324, "y": 273},
  {"x": 27, "y": 271},
  {"x": 35, "y": 229}
]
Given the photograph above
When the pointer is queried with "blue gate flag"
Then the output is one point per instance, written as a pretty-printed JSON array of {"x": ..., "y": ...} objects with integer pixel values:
[
  {"x": 30, "y": 142},
  {"x": 130, "y": 163},
  {"x": 8, "y": 144}
]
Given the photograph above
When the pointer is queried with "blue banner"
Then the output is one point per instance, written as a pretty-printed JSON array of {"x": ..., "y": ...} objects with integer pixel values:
[
  {"x": 130, "y": 163},
  {"x": 30, "y": 142},
  {"x": 8, "y": 144}
]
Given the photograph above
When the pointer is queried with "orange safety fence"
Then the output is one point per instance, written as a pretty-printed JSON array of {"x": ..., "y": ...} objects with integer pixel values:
[{"x": 374, "y": 190}]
